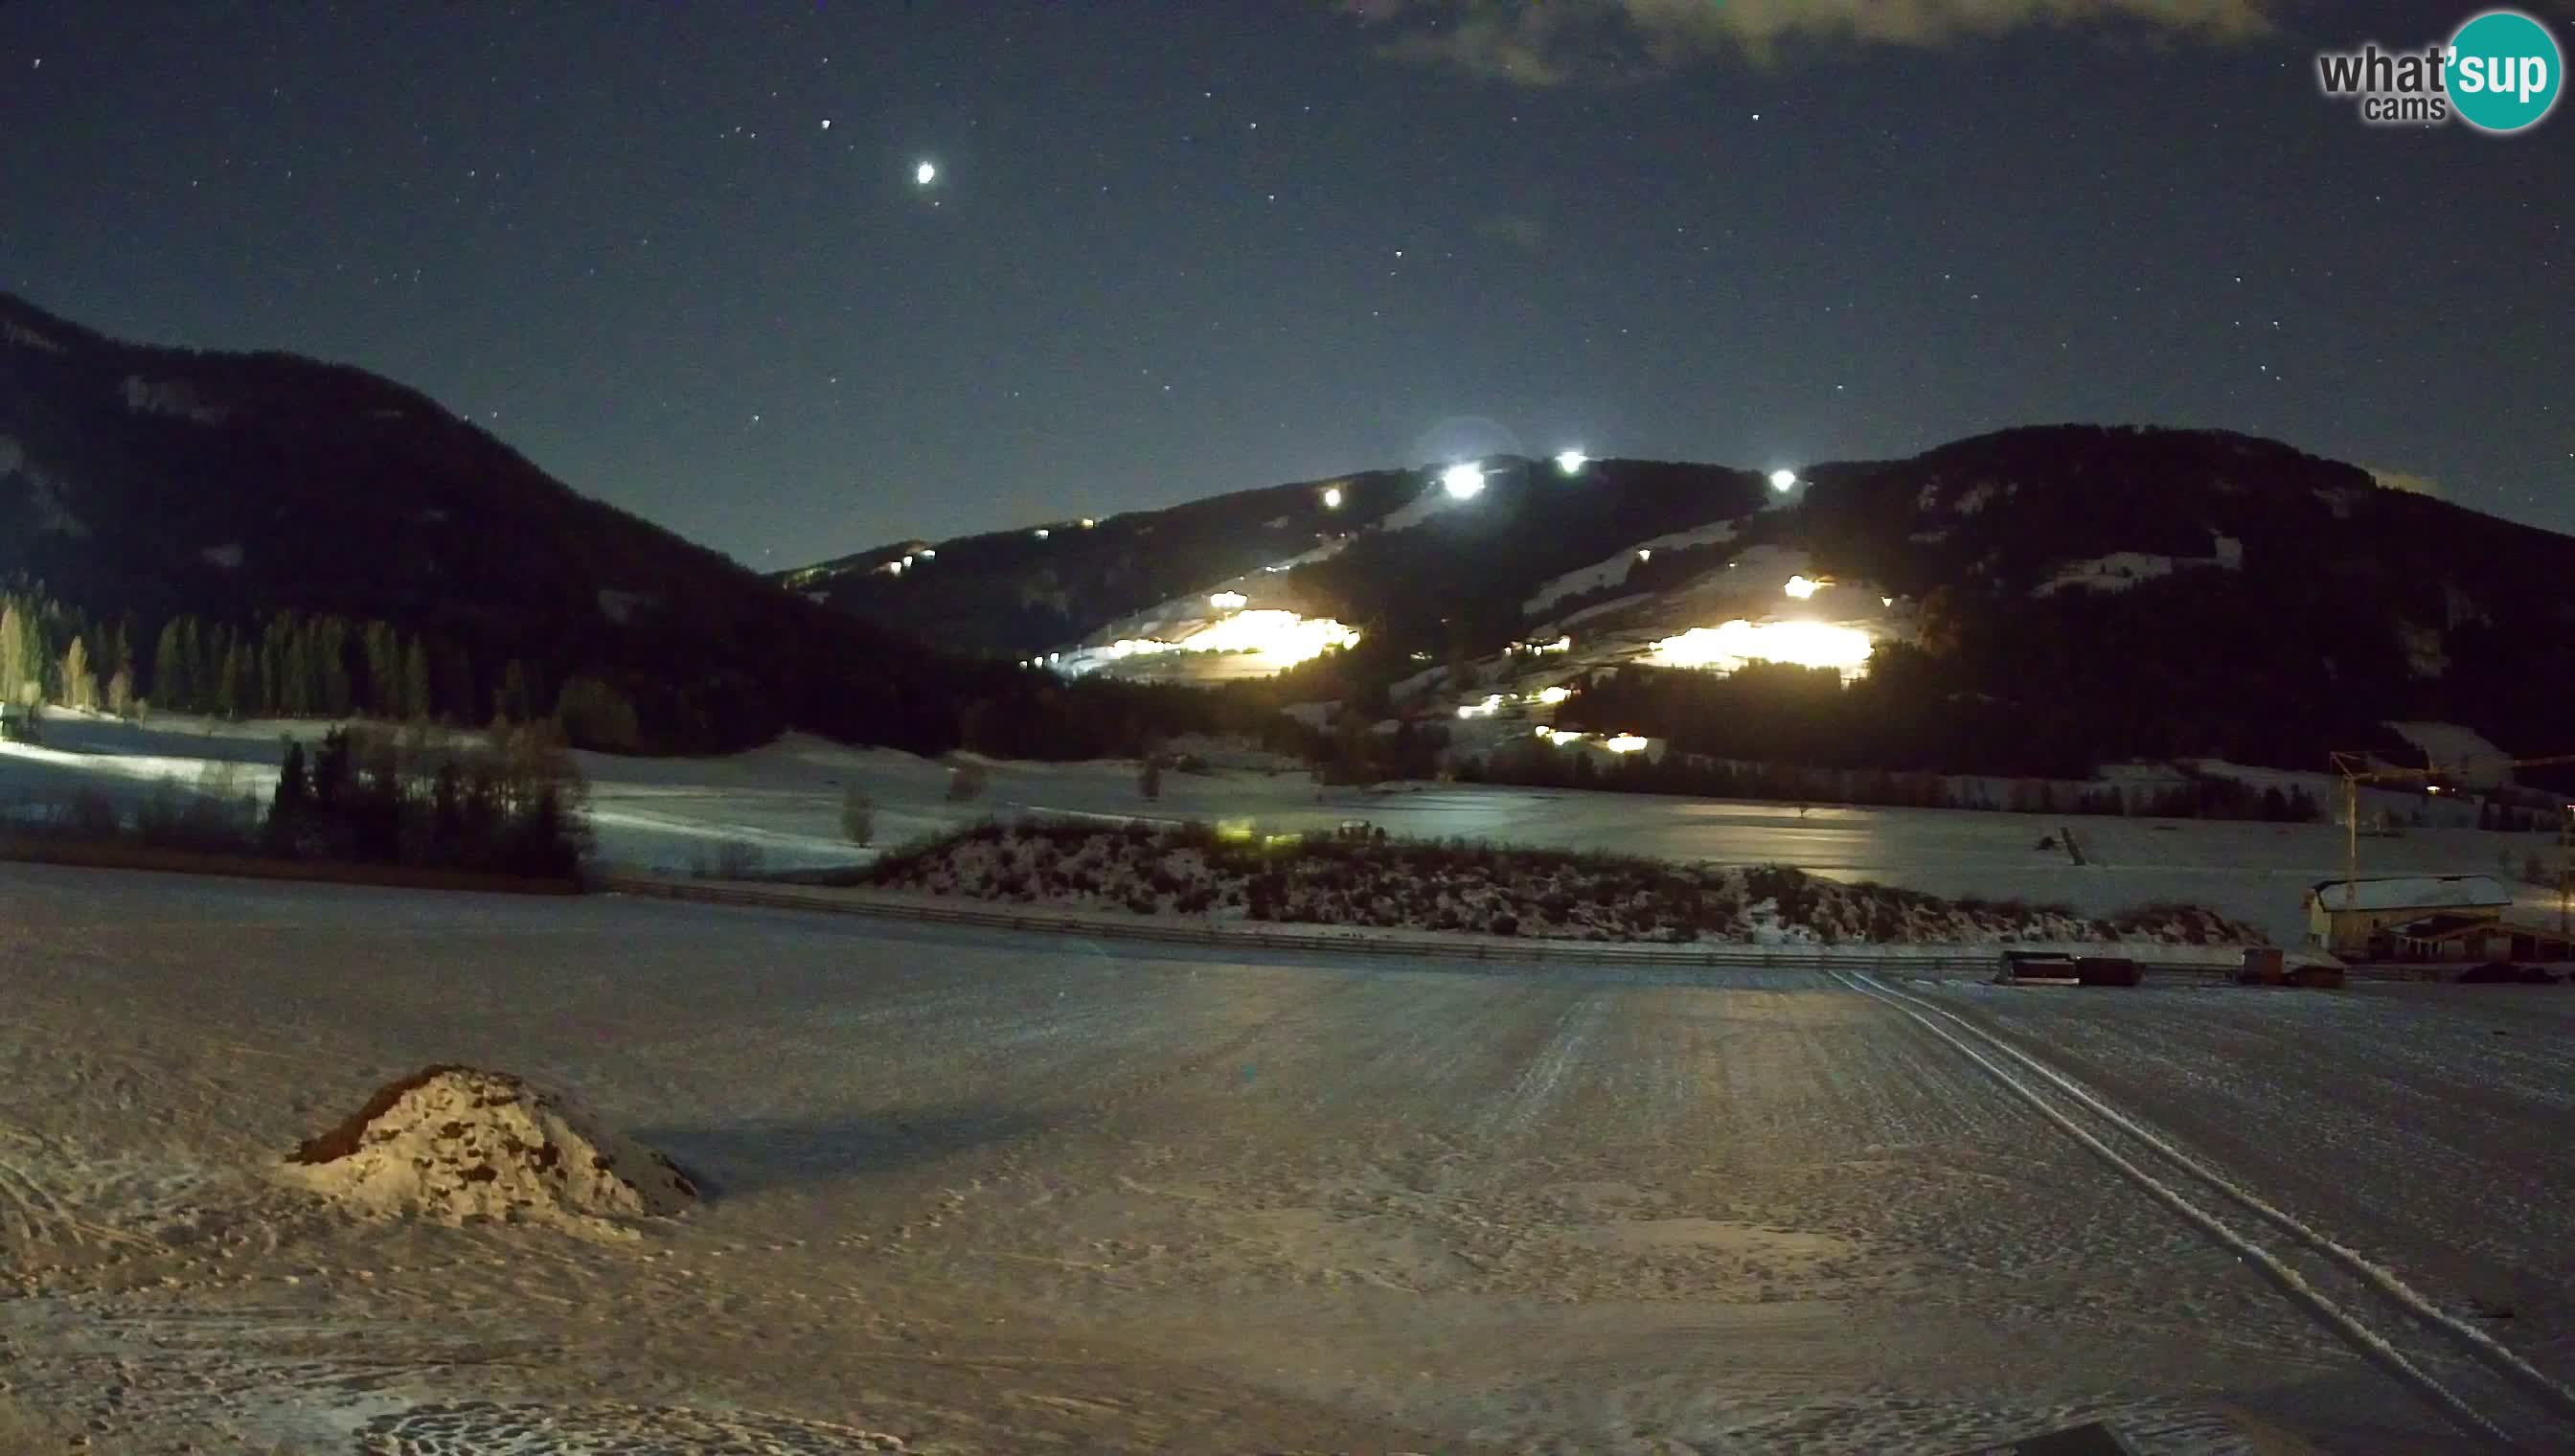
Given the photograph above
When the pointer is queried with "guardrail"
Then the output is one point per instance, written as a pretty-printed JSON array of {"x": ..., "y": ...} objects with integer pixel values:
[{"x": 1950, "y": 960}]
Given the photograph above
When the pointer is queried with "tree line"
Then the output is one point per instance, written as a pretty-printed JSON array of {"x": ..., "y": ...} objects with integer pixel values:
[
  {"x": 504, "y": 803},
  {"x": 289, "y": 664},
  {"x": 2199, "y": 796}
]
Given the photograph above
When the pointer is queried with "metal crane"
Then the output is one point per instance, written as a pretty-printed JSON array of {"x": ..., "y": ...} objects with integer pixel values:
[{"x": 2355, "y": 770}]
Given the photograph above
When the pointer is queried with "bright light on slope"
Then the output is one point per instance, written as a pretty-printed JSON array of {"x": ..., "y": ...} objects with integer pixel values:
[
  {"x": 1275, "y": 639},
  {"x": 1739, "y": 643},
  {"x": 1554, "y": 695},
  {"x": 1463, "y": 482},
  {"x": 1572, "y": 461},
  {"x": 1781, "y": 479},
  {"x": 1801, "y": 587},
  {"x": 1625, "y": 744},
  {"x": 1227, "y": 601},
  {"x": 1331, "y": 497}
]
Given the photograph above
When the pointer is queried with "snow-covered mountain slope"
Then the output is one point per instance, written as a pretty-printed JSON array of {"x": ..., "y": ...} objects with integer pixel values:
[{"x": 2204, "y": 582}]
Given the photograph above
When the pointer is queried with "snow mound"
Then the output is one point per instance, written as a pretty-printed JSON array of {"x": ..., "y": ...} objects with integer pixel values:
[{"x": 458, "y": 1142}]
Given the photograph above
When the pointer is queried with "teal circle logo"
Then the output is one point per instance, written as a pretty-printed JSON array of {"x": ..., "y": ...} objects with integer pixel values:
[{"x": 2504, "y": 71}]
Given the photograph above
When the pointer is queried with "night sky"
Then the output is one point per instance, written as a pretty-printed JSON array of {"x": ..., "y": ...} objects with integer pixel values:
[{"x": 675, "y": 251}]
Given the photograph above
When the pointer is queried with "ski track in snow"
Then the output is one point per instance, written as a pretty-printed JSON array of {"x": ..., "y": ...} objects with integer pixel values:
[
  {"x": 986, "y": 1191},
  {"x": 2549, "y": 1404}
]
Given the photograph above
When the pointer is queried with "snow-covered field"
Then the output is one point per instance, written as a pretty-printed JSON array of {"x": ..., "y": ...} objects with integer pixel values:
[
  {"x": 987, "y": 1192},
  {"x": 783, "y": 801}
]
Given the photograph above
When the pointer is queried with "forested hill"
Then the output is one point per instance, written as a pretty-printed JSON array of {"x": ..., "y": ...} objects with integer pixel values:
[
  {"x": 2039, "y": 600},
  {"x": 264, "y": 532}
]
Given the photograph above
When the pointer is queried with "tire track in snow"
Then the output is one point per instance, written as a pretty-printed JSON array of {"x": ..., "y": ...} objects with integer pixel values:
[
  {"x": 1542, "y": 1075},
  {"x": 1999, "y": 1059}
]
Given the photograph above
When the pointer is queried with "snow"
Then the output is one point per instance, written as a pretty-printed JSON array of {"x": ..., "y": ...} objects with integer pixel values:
[
  {"x": 984, "y": 1188},
  {"x": 2424, "y": 655},
  {"x": 174, "y": 398},
  {"x": 463, "y": 1143},
  {"x": 2457, "y": 1083},
  {"x": 1595, "y": 609},
  {"x": 783, "y": 800},
  {"x": 228, "y": 556},
  {"x": 620, "y": 606},
  {"x": 1421, "y": 507},
  {"x": 2415, "y": 892},
  {"x": 1612, "y": 571},
  {"x": 2116, "y": 571},
  {"x": 2008, "y": 1065},
  {"x": 1976, "y": 496},
  {"x": 2457, "y": 750},
  {"x": 2121, "y": 570},
  {"x": 45, "y": 493},
  {"x": 1322, "y": 553},
  {"x": 17, "y": 333}
]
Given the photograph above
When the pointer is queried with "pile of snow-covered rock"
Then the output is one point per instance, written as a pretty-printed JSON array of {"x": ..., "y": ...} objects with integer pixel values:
[
  {"x": 1189, "y": 869},
  {"x": 458, "y": 1142}
]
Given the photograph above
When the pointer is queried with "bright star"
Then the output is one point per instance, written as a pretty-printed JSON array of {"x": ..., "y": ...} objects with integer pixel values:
[{"x": 925, "y": 174}]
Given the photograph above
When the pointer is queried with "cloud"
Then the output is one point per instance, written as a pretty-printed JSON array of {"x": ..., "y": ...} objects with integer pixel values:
[
  {"x": 2407, "y": 481},
  {"x": 1562, "y": 41}
]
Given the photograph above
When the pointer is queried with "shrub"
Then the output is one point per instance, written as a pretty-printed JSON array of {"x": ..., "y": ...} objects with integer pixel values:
[
  {"x": 966, "y": 779},
  {"x": 858, "y": 816},
  {"x": 1505, "y": 924}
]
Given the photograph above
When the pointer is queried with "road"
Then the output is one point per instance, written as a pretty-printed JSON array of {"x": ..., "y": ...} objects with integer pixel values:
[{"x": 991, "y": 1193}]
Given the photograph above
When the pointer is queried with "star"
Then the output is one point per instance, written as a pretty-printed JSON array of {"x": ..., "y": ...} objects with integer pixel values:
[{"x": 925, "y": 174}]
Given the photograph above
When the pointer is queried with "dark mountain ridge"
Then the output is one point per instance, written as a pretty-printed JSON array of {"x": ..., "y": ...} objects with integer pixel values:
[
  {"x": 2061, "y": 595},
  {"x": 140, "y": 485}
]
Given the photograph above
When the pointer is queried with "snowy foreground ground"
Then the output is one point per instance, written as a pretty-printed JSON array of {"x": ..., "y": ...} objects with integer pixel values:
[
  {"x": 784, "y": 801},
  {"x": 984, "y": 1192}
]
